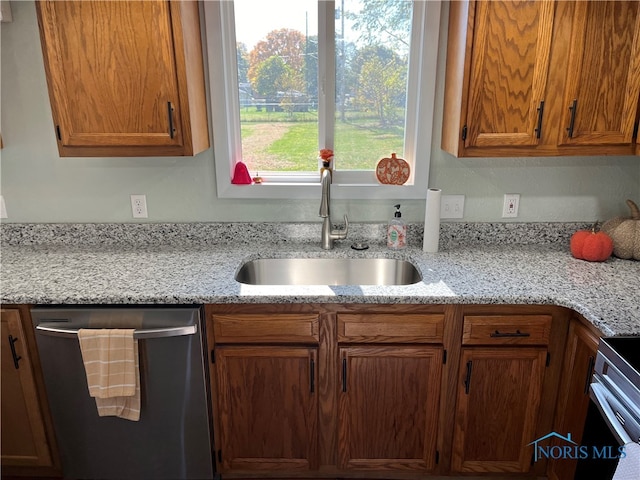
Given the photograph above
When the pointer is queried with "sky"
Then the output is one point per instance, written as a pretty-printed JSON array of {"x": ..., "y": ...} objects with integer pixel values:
[{"x": 256, "y": 18}]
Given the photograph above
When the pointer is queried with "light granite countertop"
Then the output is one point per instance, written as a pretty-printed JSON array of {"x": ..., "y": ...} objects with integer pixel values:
[{"x": 199, "y": 272}]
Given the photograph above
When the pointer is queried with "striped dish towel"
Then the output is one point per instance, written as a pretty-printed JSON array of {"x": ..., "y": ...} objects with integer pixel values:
[{"x": 111, "y": 363}]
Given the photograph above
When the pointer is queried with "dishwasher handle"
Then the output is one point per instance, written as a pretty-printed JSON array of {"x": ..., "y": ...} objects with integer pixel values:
[{"x": 52, "y": 329}]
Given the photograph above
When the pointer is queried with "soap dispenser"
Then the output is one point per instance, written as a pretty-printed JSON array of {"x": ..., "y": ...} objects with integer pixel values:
[{"x": 397, "y": 231}]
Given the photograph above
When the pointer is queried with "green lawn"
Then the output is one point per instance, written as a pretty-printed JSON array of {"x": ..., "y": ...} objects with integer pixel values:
[{"x": 358, "y": 146}]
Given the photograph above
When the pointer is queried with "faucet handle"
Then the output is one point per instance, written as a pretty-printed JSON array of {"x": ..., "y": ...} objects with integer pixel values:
[{"x": 341, "y": 234}]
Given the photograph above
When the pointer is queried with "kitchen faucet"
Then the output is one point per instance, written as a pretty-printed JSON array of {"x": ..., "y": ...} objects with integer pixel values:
[{"x": 329, "y": 235}]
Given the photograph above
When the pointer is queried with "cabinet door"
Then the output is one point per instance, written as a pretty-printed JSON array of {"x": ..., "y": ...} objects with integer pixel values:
[
  {"x": 117, "y": 76},
  {"x": 388, "y": 407},
  {"x": 603, "y": 74},
  {"x": 509, "y": 66},
  {"x": 268, "y": 408},
  {"x": 24, "y": 441},
  {"x": 497, "y": 408},
  {"x": 573, "y": 397}
]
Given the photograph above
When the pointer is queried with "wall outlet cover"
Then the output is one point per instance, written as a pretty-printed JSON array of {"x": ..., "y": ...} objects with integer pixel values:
[
  {"x": 3, "y": 208},
  {"x": 139, "y": 206},
  {"x": 510, "y": 205}
]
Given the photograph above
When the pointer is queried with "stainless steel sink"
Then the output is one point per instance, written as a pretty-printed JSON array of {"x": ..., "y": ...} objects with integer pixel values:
[{"x": 328, "y": 271}]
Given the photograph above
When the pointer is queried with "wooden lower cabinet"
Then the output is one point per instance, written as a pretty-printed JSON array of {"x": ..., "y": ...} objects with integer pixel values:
[
  {"x": 26, "y": 447},
  {"x": 573, "y": 396},
  {"x": 499, "y": 395},
  {"x": 268, "y": 408},
  {"x": 388, "y": 407},
  {"x": 383, "y": 391}
]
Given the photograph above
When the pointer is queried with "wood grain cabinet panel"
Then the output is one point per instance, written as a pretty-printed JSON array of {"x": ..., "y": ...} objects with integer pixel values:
[
  {"x": 573, "y": 397},
  {"x": 390, "y": 328},
  {"x": 24, "y": 439},
  {"x": 125, "y": 78},
  {"x": 509, "y": 65},
  {"x": 541, "y": 78},
  {"x": 267, "y": 408},
  {"x": 266, "y": 328},
  {"x": 603, "y": 74},
  {"x": 499, "y": 396},
  {"x": 388, "y": 407},
  {"x": 506, "y": 329}
]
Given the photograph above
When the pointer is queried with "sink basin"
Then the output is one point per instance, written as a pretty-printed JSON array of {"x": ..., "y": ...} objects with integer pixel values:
[{"x": 328, "y": 271}]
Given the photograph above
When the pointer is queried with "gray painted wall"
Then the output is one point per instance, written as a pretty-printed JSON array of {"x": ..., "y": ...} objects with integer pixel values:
[{"x": 39, "y": 186}]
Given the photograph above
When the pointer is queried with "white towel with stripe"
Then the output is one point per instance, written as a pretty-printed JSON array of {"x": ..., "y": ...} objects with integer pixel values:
[{"x": 111, "y": 363}]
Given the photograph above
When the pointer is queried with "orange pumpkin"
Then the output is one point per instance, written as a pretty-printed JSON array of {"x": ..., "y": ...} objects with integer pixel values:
[{"x": 591, "y": 245}]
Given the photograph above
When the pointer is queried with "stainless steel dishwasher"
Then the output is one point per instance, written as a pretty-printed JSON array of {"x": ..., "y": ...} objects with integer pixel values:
[{"x": 172, "y": 439}]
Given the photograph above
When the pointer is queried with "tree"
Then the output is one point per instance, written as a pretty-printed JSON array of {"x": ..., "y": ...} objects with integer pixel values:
[
  {"x": 243, "y": 62},
  {"x": 271, "y": 77},
  {"x": 384, "y": 22},
  {"x": 382, "y": 78},
  {"x": 286, "y": 44}
]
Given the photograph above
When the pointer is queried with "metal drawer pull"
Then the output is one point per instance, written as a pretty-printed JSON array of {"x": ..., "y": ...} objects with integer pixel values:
[
  {"x": 48, "y": 329},
  {"x": 498, "y": 334}
]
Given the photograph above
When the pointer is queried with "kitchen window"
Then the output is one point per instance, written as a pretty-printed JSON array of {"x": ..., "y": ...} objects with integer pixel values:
[{"x": 291, "y": 77}]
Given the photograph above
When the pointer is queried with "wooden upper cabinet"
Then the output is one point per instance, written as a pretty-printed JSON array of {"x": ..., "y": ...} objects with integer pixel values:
[
  {"x": 514, "y": 69},
  {"x": 603, "y": 74},
  {"x": 125, "y": 78},
  {"x": 509, "y": 65}
]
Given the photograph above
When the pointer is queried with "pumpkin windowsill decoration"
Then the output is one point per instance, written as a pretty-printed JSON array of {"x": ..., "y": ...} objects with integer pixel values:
[
  {"x": 625, "y": 233},
  {"x": 591, "y": 245}
]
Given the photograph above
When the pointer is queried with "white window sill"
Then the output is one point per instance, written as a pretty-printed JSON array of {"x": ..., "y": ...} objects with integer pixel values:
[{"x": 312, "y": 190}]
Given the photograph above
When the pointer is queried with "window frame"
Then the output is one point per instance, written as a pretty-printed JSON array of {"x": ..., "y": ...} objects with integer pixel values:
[{"x": 347, "y": 184}]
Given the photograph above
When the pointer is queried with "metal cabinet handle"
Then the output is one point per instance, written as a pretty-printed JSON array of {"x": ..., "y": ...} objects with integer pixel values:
[
  {"x": 344, "y": 374},
  {"x": 312, "y": 376},
  {"x": 540, "y": 113},
  {"x": 14, "y": 354},
  {"x": 467, "y": 379},
  {"x": 55, "y": 331},
  {"x": 573, "y": 108},
  {"x": 518, "y": 333},
  {"x": 587, "y": 380},
  {"x": 172, "y": 130}
]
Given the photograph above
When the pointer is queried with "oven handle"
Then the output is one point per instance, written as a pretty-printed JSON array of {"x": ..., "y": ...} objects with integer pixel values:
[
  {"x": 55, "y": 331},
  {"x": 602, "y": 399}
]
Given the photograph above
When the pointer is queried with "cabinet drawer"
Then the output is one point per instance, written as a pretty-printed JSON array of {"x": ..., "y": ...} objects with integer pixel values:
[
  {"x": 502, "y": 329},
  {"x": 264, "y": 328},
  {"x": 390, "y": 328}
]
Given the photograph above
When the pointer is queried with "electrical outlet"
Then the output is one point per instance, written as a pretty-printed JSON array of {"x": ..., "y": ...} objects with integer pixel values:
[
  {"x": 451, "y": 206},
  {"x": 3, "y": 208},
  {"x": 139, "y": 206},
  {"x": 510, "y": 205}
]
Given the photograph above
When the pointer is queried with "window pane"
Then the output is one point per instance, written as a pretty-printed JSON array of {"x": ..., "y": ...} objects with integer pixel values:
[
  {"x": 278, "y": 84},
  {"x": 372, "y": 55}
]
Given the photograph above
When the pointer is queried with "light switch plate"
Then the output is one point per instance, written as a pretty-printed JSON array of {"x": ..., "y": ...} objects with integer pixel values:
[{"x": 451, "y": 206}]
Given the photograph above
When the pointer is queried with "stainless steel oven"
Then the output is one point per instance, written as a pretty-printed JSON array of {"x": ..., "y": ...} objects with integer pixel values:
[{"x": 613, "y": 418}]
